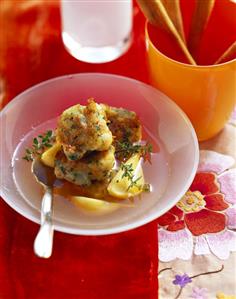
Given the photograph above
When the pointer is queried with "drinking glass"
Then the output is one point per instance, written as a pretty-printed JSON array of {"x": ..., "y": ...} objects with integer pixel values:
[
  {"x": 96, "y": 31},
  {"x": 206, "y": 92}
]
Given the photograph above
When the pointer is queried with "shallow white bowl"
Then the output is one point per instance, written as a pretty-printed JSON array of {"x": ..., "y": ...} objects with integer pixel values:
[{"x": 36, "y": 109}]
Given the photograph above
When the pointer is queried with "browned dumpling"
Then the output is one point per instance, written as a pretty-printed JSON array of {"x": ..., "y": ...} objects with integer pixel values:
[
  {"x": 96, "y": 166},
  {"x": 89, "y": 136},
  {"x": 83, "y": 129},
  {"x": 124, "y": 124}
]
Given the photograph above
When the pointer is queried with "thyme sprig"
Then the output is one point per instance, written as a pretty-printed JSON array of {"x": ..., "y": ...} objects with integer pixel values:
[
  {"x": 128, "y": 173},
  {"x": 126, "y": 149},
  {"x": 39, "y": 144}
]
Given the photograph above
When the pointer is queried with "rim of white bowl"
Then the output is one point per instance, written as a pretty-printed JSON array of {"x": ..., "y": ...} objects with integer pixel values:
[{"x": 122, "y": 227}]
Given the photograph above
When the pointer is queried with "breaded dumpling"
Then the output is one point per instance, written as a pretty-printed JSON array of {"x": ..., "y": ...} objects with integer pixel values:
[
  {"x": 83, "y": 129},
  {"x": 124, "y": 125},
  {"x": 96, "y": 166}
]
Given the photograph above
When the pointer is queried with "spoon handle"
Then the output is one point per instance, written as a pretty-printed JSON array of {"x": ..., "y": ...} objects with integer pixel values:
[{"x": 44, "y": 239}]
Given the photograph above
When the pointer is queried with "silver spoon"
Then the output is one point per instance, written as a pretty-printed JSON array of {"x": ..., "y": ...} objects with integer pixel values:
[{"x": 44, "y": 239}]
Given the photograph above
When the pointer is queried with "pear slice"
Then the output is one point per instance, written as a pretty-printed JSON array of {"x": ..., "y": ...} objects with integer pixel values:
[
  {"x": 96, "y": 206},
  {"x": 48, "y": 157},
  {"x": 121, "y": 185}
]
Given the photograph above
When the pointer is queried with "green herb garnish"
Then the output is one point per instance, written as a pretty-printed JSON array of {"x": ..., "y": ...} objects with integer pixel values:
[
  {"x": 128, "y": 173},
  {"x": 39, "y": 145},
  {"x": 128, "y": 170},
  {"x": 125, "y": 150}
]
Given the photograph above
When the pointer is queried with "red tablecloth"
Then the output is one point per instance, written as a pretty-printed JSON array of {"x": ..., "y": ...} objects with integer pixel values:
[{"x": 117, "y": 266}]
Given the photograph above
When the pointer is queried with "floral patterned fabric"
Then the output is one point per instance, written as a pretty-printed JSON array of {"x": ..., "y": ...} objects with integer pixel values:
[
  {"x": 197, "y": 238},
  {"x": 204, "y": 219}
]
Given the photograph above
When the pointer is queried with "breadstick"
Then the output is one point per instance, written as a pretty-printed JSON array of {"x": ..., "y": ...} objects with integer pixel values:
[
  {"x": 228, "y": 54},
  {"x": 173, "y": 9},
  {"x": 156, "y": 14},
  {"x": 200, "y": 18}
]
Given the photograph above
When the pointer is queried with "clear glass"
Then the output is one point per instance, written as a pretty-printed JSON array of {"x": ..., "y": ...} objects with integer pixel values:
[{"x": 96, "y": 31}]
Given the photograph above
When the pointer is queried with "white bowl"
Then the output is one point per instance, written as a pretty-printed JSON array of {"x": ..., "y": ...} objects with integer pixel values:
[{"x": 36, "y": 109}]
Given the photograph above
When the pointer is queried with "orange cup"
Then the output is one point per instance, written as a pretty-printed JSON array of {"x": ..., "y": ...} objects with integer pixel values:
[{"x": 207, "y": 93}]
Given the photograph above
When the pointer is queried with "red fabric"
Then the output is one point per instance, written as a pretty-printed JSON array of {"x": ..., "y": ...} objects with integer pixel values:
[
  {"x": 32, "y": 51},
  {"x": 216, "y": 202},
  {"x": 118, "y": 266},
  {"x": 175, "y": 226},
  {"x": 205, "y": 221},
  {"x": 205, "y": 182},
  {"x": 177, "y": 212},
  {"x": 166, "y": 219}
]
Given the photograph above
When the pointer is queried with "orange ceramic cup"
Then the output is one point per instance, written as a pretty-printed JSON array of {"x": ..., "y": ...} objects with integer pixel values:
[{"x": 207, "y": 93}]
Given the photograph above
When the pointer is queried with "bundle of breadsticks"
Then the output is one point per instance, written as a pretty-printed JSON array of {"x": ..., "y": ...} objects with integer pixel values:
[{"x": 167, "y": 15}]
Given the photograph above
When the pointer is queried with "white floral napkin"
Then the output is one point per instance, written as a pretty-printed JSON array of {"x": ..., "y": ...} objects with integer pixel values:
[{"x": 197, "y": 238}]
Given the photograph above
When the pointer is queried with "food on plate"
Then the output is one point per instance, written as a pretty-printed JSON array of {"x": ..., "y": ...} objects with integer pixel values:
[
  {"x": 129, "y": 180},
  {"x": 97, "y": 149},
  {"x": 48, "y": 157},
  {"x": 95, "y": 166},
  {"x": 93, "y": 205},
  {"x": 83, "y": 129},
  {"x": 123, "y": 124}
]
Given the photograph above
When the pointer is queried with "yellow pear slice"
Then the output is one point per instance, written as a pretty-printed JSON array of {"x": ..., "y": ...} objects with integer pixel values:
[
  {"x": 121, "y": 185},
  {"x": 93, "y": 205},
  {"x": 48, "y": 157}
]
